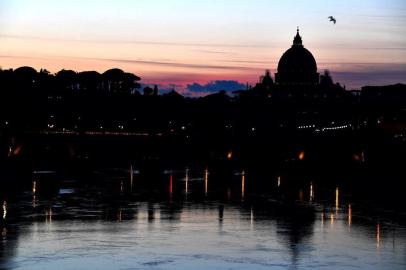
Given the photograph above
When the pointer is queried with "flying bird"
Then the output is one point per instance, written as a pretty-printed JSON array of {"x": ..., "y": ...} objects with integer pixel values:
[{"x": 332, "y": 19}]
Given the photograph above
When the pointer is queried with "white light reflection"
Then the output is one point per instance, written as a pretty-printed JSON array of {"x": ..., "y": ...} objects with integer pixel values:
[
  {"x": 186, "y": 181},
  {"x": 337, "y": 200},
  {"x": 311, "y": 192},
  {"x": 34, "y": 187},
  {"x": 48, "y": 215},
  {"x": 34, "y": 201},
  {"x": 4, "y": 209}
]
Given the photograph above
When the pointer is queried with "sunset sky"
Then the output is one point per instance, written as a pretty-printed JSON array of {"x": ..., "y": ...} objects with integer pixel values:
[{"x": 176, "y": 43}]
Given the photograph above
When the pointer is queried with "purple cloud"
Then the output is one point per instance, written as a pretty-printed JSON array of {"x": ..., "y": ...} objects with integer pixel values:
[
  {"x": 216, "y": 86},
  {"x": 359, "y": 79}
]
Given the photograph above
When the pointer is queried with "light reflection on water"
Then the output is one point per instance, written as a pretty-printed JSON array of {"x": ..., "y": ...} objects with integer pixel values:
[
  {"x": 206, "y": 181},
  {"x": 93, "y": 228}
]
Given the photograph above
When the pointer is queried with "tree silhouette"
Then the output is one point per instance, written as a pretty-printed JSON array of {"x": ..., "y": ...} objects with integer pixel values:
[
  {"x": 112, "y": 79},
  {"x": 130, "y": 83},
  {"x": 25, "y": 78},
  {"x": 90, "y": 81},
  {"x": 45, "y": 82},
  {"x": 67, "y": 80},
  {"x": 117, "y": 81},
  {"x": 148, "y": 91}
]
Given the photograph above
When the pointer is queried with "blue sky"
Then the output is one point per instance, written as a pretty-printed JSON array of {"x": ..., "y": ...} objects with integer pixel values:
[{"x": 179, "y": 42}]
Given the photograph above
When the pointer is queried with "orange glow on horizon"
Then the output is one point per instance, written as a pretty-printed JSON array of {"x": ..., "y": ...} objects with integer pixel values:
[{"x": 199, "y": 39}]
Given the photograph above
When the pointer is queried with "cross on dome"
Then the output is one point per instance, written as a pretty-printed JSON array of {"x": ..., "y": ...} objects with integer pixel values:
[{"x": 297, "y": 41}]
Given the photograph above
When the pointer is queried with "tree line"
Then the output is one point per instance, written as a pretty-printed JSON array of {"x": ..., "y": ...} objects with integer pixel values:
[{"x": 27, "y": 80}]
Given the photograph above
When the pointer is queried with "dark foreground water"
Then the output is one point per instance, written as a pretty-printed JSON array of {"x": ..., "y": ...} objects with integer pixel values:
[{"x": 187, "y": 220}]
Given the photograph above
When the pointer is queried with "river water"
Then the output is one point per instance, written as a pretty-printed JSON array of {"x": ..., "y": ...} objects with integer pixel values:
[{"x": 186, "y": 221}]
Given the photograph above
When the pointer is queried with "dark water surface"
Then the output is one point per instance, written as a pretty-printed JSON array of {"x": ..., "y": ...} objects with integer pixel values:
[{"x": 116, "y": 219}]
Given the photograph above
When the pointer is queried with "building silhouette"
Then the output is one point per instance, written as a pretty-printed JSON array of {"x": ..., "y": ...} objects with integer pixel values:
[
  {"x": 297, "y": 77},
  {"x": 297, "y": 66}
]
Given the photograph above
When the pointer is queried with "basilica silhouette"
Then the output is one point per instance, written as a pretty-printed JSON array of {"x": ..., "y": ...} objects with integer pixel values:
[
  {"x": 297, "y": 76},
  {"x": 297, "y": 66}
]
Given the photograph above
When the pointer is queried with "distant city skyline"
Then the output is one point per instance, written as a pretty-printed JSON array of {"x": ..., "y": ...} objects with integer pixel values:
[{"x": 189, "y": 45}]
